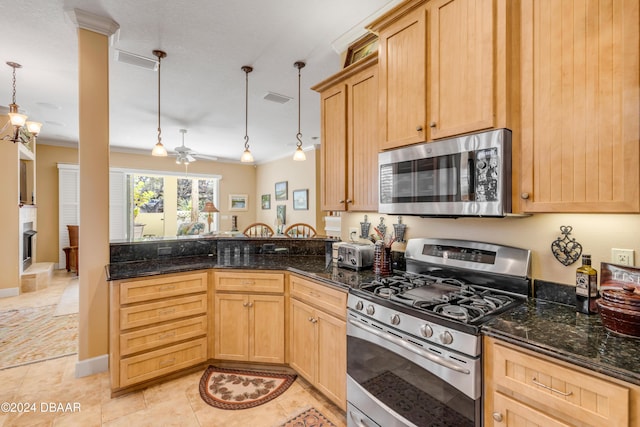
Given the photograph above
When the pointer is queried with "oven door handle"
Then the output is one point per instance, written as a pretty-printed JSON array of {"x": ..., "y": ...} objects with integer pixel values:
[{"x": 391, "y": 338}]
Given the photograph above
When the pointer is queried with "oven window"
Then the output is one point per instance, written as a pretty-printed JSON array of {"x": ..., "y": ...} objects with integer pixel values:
[{"x": 408, "y": 389}]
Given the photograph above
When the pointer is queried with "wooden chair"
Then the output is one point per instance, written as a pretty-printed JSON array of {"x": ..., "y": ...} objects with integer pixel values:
[
  {"x": 300, "y": 230},
  {"x": 258, "y": 229}
]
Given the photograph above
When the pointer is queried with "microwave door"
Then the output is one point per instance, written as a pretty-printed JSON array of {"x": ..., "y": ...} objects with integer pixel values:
[{"x": 437, "y": 179}]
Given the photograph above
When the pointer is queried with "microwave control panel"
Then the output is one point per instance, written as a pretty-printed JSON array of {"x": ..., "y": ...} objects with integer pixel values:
[{"x": 487, "y": 175}]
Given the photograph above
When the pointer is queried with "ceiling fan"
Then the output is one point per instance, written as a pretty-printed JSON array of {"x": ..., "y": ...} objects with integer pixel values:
[{"x": 185, "y": 155}]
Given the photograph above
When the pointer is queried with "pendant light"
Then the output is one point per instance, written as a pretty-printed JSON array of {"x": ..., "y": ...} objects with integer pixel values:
[
  {"x": 247, "y": 157},
  {"x": 158, "y": 149},
  {"x": 299, "y": 154}
]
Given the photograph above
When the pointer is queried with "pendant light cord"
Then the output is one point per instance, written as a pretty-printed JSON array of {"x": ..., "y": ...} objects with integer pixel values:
[
  {"x": 299, "y": 65},
  {"x": 159, "y": 68},
  {"x": 247, "y": 70}
]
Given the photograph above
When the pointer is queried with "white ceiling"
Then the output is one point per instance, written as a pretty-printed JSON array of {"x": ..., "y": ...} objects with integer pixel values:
[{"x": 203, "y": 86}]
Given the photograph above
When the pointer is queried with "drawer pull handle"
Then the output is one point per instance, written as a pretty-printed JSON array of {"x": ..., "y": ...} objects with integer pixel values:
[
  {"x": 539, "y": 384},
  {"x": 167, "y": 335},
  {"x": 245, "y": 304},
  {"x": 167, "y": 288},
  {"x": 497, "y": 416},
  {"x": 247, "y": 282},
  {"x": 166, "y": 311},
  {"x": 167, "y": 362}
]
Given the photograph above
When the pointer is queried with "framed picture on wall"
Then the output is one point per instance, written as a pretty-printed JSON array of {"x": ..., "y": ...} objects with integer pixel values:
[
  {"x": 266, "y": 201},
  {"x": 282, "y": 191},
  {"x": 301, "y": 200},
  {"x": 238, "y": 202}
]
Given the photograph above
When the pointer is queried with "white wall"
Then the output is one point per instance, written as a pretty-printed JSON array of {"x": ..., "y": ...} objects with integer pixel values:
[{"x": 595, "y": 232}]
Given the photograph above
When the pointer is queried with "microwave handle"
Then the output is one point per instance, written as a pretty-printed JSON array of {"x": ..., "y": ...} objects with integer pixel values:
[{"x": 467, "y": 175}]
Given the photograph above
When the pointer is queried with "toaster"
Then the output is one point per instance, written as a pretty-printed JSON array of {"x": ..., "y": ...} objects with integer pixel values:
[{"x": 355, "y": 256}]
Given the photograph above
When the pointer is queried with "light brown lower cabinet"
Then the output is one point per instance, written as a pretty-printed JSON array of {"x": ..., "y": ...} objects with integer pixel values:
[
  {"x": 318, "y": 337},
  {"x": 158, "y": 326},
  {"x": 249, "y": 317},
  {"x": 526, "y": 388}
]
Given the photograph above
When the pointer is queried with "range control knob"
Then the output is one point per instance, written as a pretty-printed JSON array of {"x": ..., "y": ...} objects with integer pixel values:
[
  {"x": 359, "y": 305},
  {"x": 446, "y": 337},
  {"x": 370, "y": 310},
  {"x": 395, "y": 319},
  {"x": 426, "y": 331}
]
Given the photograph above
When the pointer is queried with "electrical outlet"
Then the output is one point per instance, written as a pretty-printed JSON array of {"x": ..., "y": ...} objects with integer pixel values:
[
  {"x": 622, "y": 256},
  {"x": 353, "y": 233}
]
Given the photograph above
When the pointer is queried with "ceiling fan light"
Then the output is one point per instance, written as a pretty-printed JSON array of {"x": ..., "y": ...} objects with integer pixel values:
[
  {"x": 299, "y": 155},
  {"x": 247, "y": 157},
  {"x": 159, "y": 150}
]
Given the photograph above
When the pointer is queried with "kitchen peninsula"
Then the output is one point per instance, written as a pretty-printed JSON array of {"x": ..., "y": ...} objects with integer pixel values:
[{"x": 299, "y": 272}]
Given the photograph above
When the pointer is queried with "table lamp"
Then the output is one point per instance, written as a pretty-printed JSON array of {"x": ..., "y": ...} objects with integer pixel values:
[{"x": 209, "y": 208}]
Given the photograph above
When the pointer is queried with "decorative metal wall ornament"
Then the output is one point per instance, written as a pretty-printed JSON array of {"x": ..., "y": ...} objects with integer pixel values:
[
  {"x": 399, "y": 230},
  {"x": 364, "y": 228},
  {"x": 565, "y": 248}
]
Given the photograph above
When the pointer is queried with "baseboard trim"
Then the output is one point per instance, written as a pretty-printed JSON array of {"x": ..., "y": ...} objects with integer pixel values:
[
  {"x": 9, "y": 292},
  {"x": 95, "y": 365}
]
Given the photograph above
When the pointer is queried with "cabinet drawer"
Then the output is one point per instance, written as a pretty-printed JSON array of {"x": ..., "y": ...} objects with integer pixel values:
[
  {"x": 162, "y": 287},
  {"x": 161, "y": 362},
  {"x": 510, "y": 412},
  {"x": 331, "y": 300},
  {"x": 160, "y": 311},
  {"x": 156, "y": 336},
  {"x": 250, "y": 282},
  {"x": 578, "y": 395}
]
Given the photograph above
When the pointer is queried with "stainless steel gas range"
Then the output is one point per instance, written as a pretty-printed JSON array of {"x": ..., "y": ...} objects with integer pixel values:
[{"x": 413, "y": 339}]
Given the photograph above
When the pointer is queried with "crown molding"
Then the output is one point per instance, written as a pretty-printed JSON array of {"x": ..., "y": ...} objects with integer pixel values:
[{"x": 92, "y": 22}]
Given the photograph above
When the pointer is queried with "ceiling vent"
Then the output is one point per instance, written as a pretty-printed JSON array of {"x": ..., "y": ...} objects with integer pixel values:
[
  {"x": 275, "y": 97},
  {"x": 137, "y": 60}
]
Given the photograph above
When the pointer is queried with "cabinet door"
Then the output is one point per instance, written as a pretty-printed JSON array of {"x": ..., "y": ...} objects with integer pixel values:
[
  {"x": 511, "y": 413},
  {"x": 266, "y": 334},
  {"x": 332, "y": 357},
  {"x": 302, "y": 345},
  {"x": 231, "y": 327},
  {"x": 402, "y": 68},
  {"x": 334, "y": 148},
  {"x": 461, "y": 67},
  {"x": 363, "y": 143},
  {"x": 580, "y": 106}
]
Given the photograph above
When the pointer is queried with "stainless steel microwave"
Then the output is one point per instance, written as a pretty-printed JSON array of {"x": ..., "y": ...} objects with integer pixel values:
[{"x": 469, "y": 175}]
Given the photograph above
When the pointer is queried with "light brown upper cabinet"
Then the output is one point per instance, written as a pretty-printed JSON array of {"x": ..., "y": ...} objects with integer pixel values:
[
  {"x": 402, "y": 72},
  {"x": 580, "y": 105},
  {"x": 443, "y": 69},
  {"x": 350, "y": 138}
]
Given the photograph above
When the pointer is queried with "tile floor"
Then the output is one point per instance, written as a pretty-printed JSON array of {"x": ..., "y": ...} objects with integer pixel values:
[{"x": 45, "y": 386}]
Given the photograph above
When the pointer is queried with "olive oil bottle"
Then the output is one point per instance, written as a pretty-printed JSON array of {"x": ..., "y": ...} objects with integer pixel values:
[{"x": 586, "y": 287}]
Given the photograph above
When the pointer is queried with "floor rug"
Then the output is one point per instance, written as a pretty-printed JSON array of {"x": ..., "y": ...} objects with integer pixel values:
[
  {"x": 241, "y": 389},
  {"x": 309, "y": 418},
  {"x": 35, "y": 334}
]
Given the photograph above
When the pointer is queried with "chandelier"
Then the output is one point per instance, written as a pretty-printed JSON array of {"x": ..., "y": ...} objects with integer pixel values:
[
  {"x": 158, "y": 149},
  {"x": 299, "y": 154},
  {"x": 23, "y": 130}
]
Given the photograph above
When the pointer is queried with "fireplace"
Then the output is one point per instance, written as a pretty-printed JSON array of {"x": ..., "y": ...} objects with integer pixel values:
[{"x": 28, "y": 234}]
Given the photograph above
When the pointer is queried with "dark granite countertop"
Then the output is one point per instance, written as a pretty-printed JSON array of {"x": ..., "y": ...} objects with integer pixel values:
[
  {"x": 315, "y": 267},
  {"x": 558, "y": 331},
  {"x": 546, "y": 327}
]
